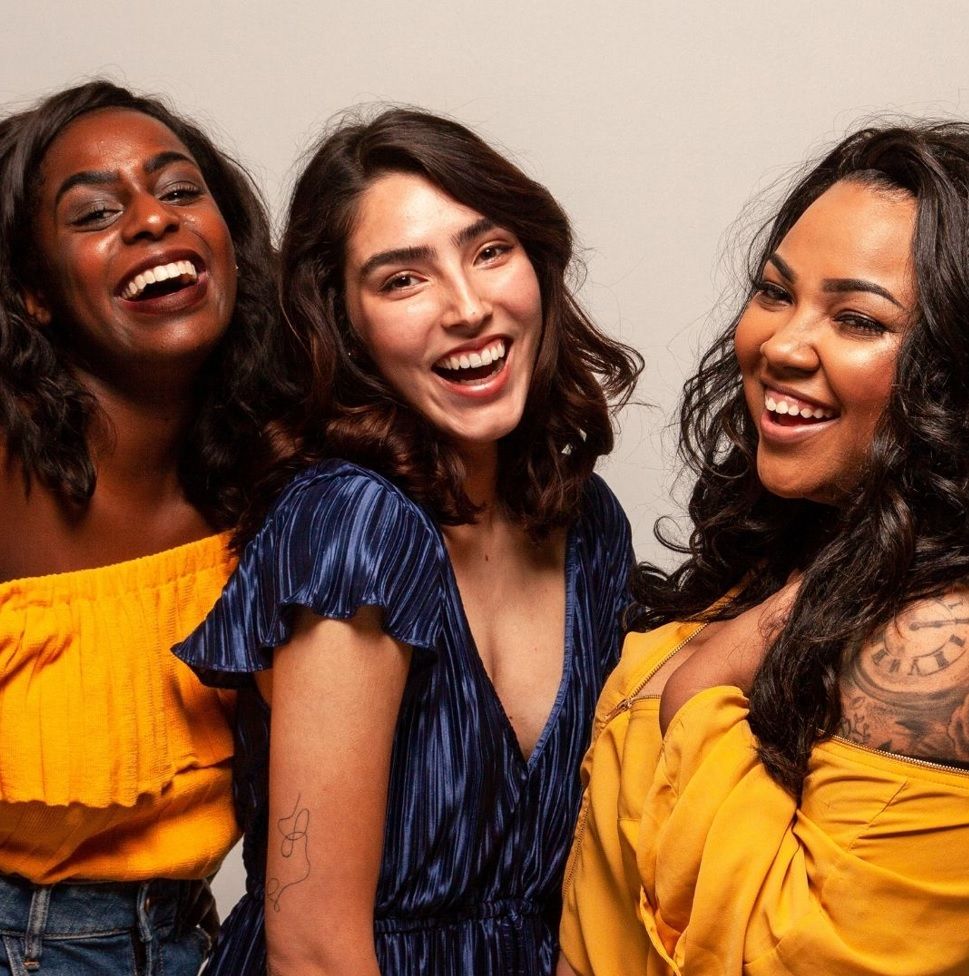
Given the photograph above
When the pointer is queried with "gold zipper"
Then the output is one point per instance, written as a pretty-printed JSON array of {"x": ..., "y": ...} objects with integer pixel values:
[
  {"x": 623, "y": 706},
  {"x": 627, "y": 702},
  {"x": 895, "y": 755}
]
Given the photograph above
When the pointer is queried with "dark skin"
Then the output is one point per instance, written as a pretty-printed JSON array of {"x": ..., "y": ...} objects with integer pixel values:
[
  {"x": 904, "y": 691},
  {"x": 120, "y": 195}
]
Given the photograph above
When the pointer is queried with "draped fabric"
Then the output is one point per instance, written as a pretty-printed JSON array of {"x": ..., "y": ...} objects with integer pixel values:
[
  {"x": 690, "y": 860},
  {"x": 476, "y": 835},
  {"x": 114, "y": 758}
]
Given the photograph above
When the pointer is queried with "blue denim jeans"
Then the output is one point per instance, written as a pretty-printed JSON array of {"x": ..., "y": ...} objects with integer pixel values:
[{"x": 151, "y": 928}]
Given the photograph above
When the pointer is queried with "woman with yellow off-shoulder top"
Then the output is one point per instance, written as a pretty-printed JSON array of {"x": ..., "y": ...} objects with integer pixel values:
[
  {"x": 778, "y": 781},
  {"x": 136, "y": 366}
]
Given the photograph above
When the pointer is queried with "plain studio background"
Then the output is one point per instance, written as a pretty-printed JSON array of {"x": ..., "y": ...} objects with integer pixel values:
[{"x": 653, "y": 123}]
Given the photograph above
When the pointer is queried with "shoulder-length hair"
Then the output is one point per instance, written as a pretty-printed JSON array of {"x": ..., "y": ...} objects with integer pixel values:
[
  {"x": 45, "y": 412},
  {"x": 903, "y": 534},
  {"x": 351, "y": 411}
]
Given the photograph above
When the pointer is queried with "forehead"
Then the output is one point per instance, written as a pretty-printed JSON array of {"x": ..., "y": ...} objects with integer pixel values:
[
  {"x": 106, "y": 139},
  {"x": 402, "y": 210},
  {"x": 854, "y": 230}
]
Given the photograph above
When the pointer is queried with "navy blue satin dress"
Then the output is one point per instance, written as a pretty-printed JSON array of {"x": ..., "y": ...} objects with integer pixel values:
[{"x": 476, "y": 835}]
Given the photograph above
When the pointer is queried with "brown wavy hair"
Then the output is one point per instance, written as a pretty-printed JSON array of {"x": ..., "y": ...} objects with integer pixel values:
[
  {"x": 903, "y": 534},
  {"x": 351, "y": 411},
  {"x": 45, "y": 412}
]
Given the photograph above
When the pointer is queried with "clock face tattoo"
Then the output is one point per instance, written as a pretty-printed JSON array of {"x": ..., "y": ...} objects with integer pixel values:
[
  {"x": 907, "y": 690},
  {"x": 920, "y": 653}
]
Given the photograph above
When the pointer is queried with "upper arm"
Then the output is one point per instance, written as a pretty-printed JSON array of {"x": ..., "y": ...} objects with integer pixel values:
[
  {"x": 907, "y": 689},
  {"x": 337, "y": 688}
]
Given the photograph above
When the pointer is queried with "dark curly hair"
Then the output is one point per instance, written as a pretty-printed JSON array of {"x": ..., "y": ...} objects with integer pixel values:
[
  {"x": 45, "y": 412},
  {"x": 903, "y": 534},
  {"x": 351, "y": 411}
]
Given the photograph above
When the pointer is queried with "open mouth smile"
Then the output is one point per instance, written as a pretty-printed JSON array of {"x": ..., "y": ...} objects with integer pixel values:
[
  {"x": 159, "y": 280},
  {"x": 789, "y": 411},
  {"x": 475, "y": 366}
]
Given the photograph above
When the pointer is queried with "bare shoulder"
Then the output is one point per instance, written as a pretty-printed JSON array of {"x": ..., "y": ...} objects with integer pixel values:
[{"x": 907, "y": 689}]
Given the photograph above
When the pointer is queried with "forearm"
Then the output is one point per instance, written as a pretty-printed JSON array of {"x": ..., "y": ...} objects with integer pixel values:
[{"x": 348, "y": 950}]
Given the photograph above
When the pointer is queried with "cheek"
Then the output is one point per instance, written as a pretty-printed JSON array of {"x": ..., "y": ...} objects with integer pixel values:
[
  {"x": 864, "y": 383},
  {"x": 749, "y": 336}
]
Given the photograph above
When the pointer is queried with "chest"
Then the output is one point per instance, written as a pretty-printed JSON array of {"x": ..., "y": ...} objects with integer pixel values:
[{"x": 39, "y": 535}]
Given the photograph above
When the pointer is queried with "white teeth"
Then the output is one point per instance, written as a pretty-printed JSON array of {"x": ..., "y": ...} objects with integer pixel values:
[
  {"x": 792, "y": 408},
  {"x": 161, "y": 272},
  {"x": 481, "y": 357}
]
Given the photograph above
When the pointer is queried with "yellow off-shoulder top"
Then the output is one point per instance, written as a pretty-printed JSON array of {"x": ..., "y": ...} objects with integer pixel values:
[
  {"x": 114, "y": 758},
  {"x": 689, "y": 859}
]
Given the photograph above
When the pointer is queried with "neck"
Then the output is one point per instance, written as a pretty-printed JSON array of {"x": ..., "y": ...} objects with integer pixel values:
[
  {"x": 481, "y": 476},
  {"x": 135, "y": 440}
]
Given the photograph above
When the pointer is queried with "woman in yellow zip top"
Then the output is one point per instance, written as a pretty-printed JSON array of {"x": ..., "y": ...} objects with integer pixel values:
[{"x": 779, "y": 777}]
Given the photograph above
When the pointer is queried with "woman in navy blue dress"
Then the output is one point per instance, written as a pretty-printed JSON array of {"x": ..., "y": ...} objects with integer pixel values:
[{"x": 431, "y": 607}]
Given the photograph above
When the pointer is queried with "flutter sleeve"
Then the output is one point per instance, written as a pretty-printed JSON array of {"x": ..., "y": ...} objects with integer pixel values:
[{"x": 339, "y": 538}]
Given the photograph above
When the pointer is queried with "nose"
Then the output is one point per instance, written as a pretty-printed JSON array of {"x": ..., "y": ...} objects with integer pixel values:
[
  {"x": 466, "y": 307},
  {"x": 148, "y": 217},
  {"x": 792, "y": 346}
]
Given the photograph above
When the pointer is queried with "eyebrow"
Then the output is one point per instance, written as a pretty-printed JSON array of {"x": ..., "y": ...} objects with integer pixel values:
[
  {"x": 787, "y": 272},
  {"x": 839, "y": 285},
  {"x": 401, "y": 255},
  {"x": 835, "y": 286},
  {"x": 105, "y": 177}
]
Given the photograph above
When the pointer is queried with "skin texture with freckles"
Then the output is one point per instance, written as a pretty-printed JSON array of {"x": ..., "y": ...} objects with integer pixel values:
[{"x": 825, "y": 338}]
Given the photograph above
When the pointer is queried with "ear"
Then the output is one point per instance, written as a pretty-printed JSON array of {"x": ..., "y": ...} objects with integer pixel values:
[{"x": 36, "y": 306}]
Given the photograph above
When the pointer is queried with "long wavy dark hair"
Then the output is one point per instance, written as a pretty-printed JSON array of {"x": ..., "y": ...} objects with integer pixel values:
[
  {"x": 903, "y": 534},
  {"x": 351, "y": 411},
  {"x": 45, "y": 412}
]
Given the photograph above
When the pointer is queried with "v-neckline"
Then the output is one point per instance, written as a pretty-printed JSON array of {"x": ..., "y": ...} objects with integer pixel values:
[{"x": 527, "y": 762}]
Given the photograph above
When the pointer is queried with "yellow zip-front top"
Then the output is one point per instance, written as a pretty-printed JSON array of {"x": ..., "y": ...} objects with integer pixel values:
[
  {"x": 114, "y": 759},
  {"x": 688, "y": 859}
]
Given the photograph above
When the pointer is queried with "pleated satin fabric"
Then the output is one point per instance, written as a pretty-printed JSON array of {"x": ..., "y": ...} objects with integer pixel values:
[{"x": 476, "y": 835}]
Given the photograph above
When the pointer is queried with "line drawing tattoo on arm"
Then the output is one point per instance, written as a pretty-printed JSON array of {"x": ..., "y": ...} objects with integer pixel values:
[{"x": 294, "y": 849}]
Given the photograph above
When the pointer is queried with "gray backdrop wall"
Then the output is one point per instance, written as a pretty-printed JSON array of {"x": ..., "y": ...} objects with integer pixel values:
[{"x": 654, "y": 123}]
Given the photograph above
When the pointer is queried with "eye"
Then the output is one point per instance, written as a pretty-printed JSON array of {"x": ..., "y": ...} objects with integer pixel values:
[
  {"x": 400, "y": 282},
  {"x": 769, "y": 293},
  {"x": 181, "y": 192},
  {"x": 492, "y": 252},
  {"x": 95, "y": 215},
  {"x": 853, "y": 322}
]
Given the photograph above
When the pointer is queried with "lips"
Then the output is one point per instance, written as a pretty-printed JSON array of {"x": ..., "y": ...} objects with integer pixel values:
[
  {"x": 787, "y": 409},
  {"x": 160, "y": 275},
  {"x": 160, "y": 279},
  {"x": 473, "y": 364}
]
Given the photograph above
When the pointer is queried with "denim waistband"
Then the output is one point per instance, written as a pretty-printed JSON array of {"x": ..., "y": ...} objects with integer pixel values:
[{"x": 69, "y": 909}]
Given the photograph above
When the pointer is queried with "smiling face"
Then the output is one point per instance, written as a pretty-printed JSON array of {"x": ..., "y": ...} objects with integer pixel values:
[
  {"x": 818, "y": 342},
  {"x": 448, "y": 306},
  {"x": 136, "y": 264}
]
